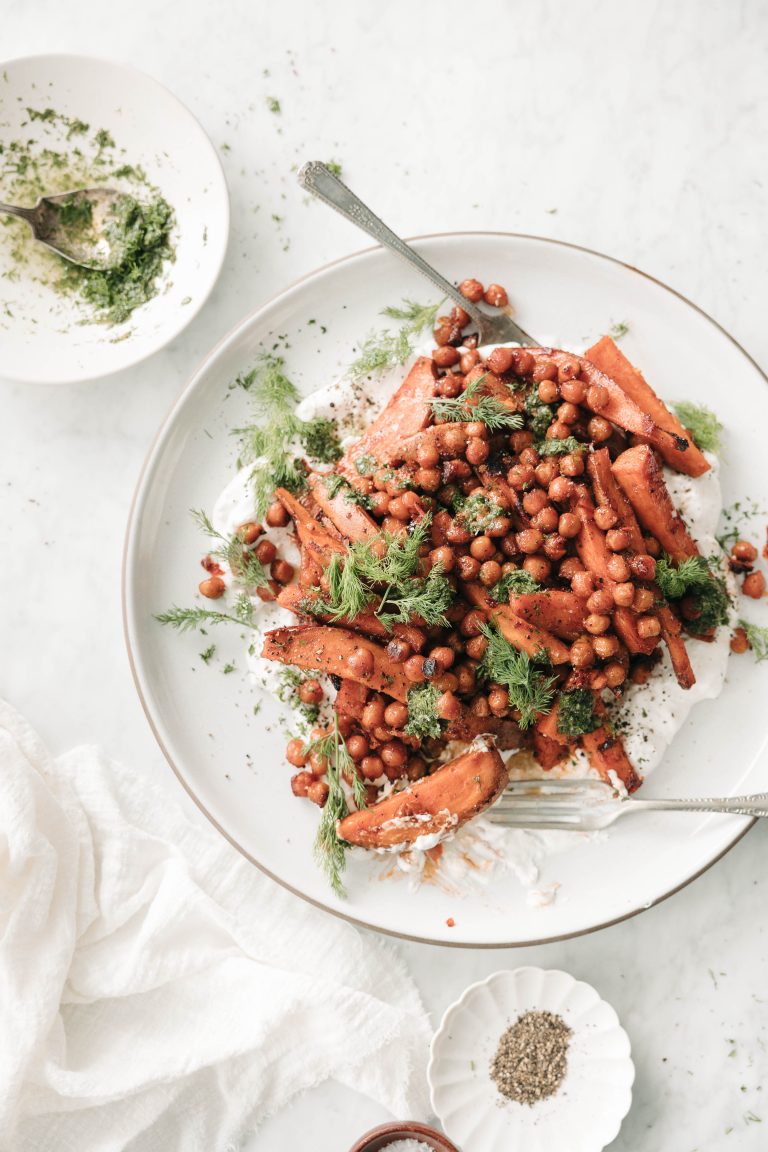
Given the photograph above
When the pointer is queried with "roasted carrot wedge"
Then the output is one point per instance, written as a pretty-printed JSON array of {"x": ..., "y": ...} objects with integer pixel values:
[
  {"x": 625, "y": 623},
  {"x": 352, "y": 521},
  {"x": 328, "y": 650},
  {"x": 590, "y": 542},
  {"x": 558, "y": 612},
  {"x": 671, "y": 631},
  {"x": 606, "y": 754},
  {"x": 433, "y": 807},
  {"x": 608, "y": 493},
  {"x": 407, "y": 413},
  {"x": 639, "y": 474},
  {"x": 606, "y": 356},
  {"x": 548, "y": 752},
  {"x": 523, "y": 635},
  {"x": 546, "y": 724},
  {"x": 351, "y": 699}
]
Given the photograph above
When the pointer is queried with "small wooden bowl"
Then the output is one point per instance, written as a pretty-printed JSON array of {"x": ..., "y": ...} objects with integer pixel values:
[{"x": 379, "y": 1139}]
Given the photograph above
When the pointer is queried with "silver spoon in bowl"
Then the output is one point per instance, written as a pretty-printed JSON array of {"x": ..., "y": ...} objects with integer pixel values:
[
  {"x": 316, "y": 178},
  {"x": 72, "y": 224}
]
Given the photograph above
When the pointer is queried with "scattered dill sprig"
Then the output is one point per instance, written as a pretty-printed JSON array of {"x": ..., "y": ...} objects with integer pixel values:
[
  {"x": 576, "y": 712},
  {"x": 701, "y": 422},
  {"x": 560, "y": 447},
  {"x": 383, "y": 569},
  {"x": 329, "y": 850},
  {"x": 530, "y": 689},
  {"x": 273, "y": 104},
  {"x": 185, "y": 619},
  {"x": 518, "y": 581},
  {"x": 387, "y": 349},
  {"x": 619, "y": 329},
  {"x": 423, "y": 720},
  {"x": 208, "y": 654},
  {"x": 694, "y": 577},
  {"x": 757, "y": 637},
  {"x": 246, "y": 568},
  {"x": 267, "y": 442},
  {"x": 488, "y": 410}
]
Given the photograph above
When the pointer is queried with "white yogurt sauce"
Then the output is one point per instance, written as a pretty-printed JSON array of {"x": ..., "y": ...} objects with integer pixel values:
[{"x": 649, "y": 715}]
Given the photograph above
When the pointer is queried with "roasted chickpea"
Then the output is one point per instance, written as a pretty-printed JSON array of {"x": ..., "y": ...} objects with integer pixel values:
[
  {"x": 396, "y": 715},
  {"x": 743, "y": 551},
  {"x": 582, "y": 654},
  {"x": 414, "y": 669},
  {"x": 281, "y": 571},
  {"x": 311, "y": 691},
  {"x": 642, "y": 566},
  {"x": 652, "y": 546},
  {"x": 296, "y": 753},
  {"x": 379, "y": 503},
  {"x": 445, "y": 332},
  {"x": 468, "y": 360},
  {"x": 597, "y": 397},
  {"x": 546, "y": 471},
  {"x": 468, "y": 567},
  {"x": 318, "y": 765},
  {"x": 393, "y": 754},
  {"x": 499, "y": 527},
  {"x": 446, "y": 682},
  {"x": 476, "y": 646},
  {"x": 574, "y": 391},
  {"x": 530, "y": 540},
  {"x": 300, "y": 783},
  {"x": 599, "y": 429},
  {"x": 618, "y": 569},
  {"x": 569, "y": 525},
  {"x": 454, "y": 441},
  {"x": 466, "y": 675},
  {"x": 544, "y": 369},
  {"x": 490, "y": 573},
  {"x": 642, "y": 600},
  {"x": 448, "y": 706},
  {"x": 482, "y": 548},
  {"x": 318, "y": 792},
  {"x": 477, "y": 452},
  {"x": 496, "y": 296},
  {"x": 546, "y": 520},
  {"x": 471, "y": 290},
  {"x": 265, "y": 551},
  {"x": 570, "y": 567},
  {"x": 648, "y": 626},
  {"x": 276, "y": 516},
  {"x": 443, "y": 657},
  {"x": 754, "y": 585},
  {"x": 444, "y": 556},
  {"x": 458, "y": 533},
  {"x": 445, "y": 356},
  {"x": 614, "y": 673},
  {"x": 480, "y": 707},
  {"x": 373, "y": 714},
  {"x": 524, "y": 362},
  {"x": 520, "y": 441},
  {"x": 472, "y": 623},
  {"x": 597, "y": 623},
  {"x": 476, "y": 430},
  {"x": 739, "y": 642},
  {"x": 548, "y": 391},
  {"x": 605, "y": 517},
  {"x": 598, "y": 680},
  {"x": 249, "y": 532},
  {"x": 498, "y": 700},
  {"x": 600, "y": 601},
  {"x": 605, "y": 646},
  {"x": 399, "y": 650},
  {"x": 617, "y": 539},
  {"x": 561, "y": 489},
  {"x": 557, "y": 431},
  {"x": 538, "y": 567},
  {"x": 358, "y": 745},
  {"x": 640, "y": 673},
  {"x": 534, "y": 501},
  {"x": 568, "y": 369},
  {"x": 623, "y": 594},
  {"x": 520, "y": 477},
  {"x": 501, "y": 360},
  {"x": 372, "y": 767},
  {"x": 582, "y": 584},
  {"x": 212, "y": 588},
  {"x": 572, "y": 464},
  {"x": 427, "y": 454},
  {"x": 568, "y": 413}
]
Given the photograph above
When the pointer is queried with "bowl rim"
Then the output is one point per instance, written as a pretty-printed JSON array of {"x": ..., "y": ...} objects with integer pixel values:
[
  {"x": 217, "y": 171},
  {"x": 132, "y": 524}
]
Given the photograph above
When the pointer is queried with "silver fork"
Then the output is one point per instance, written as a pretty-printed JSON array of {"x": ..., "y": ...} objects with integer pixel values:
[
  {"x": 316, "y": 178},
  {"x": 589, "y": 805}
]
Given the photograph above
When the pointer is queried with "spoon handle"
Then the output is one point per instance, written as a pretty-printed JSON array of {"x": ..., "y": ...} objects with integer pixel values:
[
  {"x": 321, "y": 182},
  {"x": 25, "y": 213},
  {"x": 756, "y": 805}
]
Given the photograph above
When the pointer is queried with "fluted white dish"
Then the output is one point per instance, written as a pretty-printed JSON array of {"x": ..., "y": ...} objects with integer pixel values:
[{"x": 583, "y": 1115}]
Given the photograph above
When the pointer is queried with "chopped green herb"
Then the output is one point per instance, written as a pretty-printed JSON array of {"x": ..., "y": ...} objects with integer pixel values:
[
  {"x": 618, "y": 330},
  {"x": 366, "y": 464},
  {"x": 530, "y": 689},
  {"x": 560, "y": 447},
  {"x": 321, "y": 440},
  {"x": 694, "y": 577},
  {"x": 479, "y": 511},
  {"x": 576, "y": 712},
  {"x": 228, "y": 668},
  {"x": 519, "y": 581},
  {"x": 540, "y": 415},
  {"x": 757, "y": 637},
  {"x": 274, "y": 105},
  {"x": 287, "y": 693},
  {"x": 208, "y": 654},
  {"x": 701, "y": 422},
  {"x": 423, "y": 720},
  {"x": 334, "y": 167},
  {"x": 488, "y": 410}
]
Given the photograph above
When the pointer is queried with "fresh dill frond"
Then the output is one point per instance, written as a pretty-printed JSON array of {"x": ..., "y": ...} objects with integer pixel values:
[
  {"x": 208, "y": 654},
  {"x": 348, "y": 593},
  {"x": 428, "y": 599},
  {"x": 560, "y": 447},
  {"x": 415, "y": 316},
  {"x": 487, "y": 410},
  {"x": 694, "y": 577},
  {"x": 519, "y": 581},
  {"x": 619, "y": 329},
  {"x": 423, "y": 720},
  {"x": 701, "y": 422},
  {"x": 576, "y": 712},
  {"x": 757, "y": 637},
  {"x": 329, "y": 850},
  {"x": 247, "y": 570},
  {"x": 186, "y": 619},
  {"x": 530, "y": 689},
  {"x": 388, "y": 349}
]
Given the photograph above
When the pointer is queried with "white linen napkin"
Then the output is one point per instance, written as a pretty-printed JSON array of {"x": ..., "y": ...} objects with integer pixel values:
[{"x": 156, "y": 991}]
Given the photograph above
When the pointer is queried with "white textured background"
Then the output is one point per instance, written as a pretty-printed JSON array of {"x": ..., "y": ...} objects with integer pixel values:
[{"x": 639, "y": 129}]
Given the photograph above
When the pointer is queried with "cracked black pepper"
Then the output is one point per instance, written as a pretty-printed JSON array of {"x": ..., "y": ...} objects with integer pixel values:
[{"x": 531, "y": 1060}]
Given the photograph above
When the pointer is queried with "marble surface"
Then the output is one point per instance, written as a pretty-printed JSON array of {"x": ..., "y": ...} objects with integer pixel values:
[{"x": 638, "y": 130}]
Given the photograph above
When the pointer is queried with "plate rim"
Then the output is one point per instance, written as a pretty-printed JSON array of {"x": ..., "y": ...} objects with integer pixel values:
[
  {"x": 139, "y": 495},
  {"x": 189, "y": 313}
]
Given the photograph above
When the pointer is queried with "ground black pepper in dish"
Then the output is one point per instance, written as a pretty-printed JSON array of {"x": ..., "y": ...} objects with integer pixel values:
[{"x": 532, "y": 1057}]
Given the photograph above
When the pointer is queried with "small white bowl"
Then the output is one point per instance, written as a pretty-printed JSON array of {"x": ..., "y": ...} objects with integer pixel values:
[
  {"x": 584, "y": 1114},
  {"x": 43, "y": 336}
]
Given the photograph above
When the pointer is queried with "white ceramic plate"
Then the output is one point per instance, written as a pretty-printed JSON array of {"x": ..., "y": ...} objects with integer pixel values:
[
  {"x": 232, "y": 761},
  {"x": 42, "y": 334},
  {"x": 583, "y": 1115}
]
